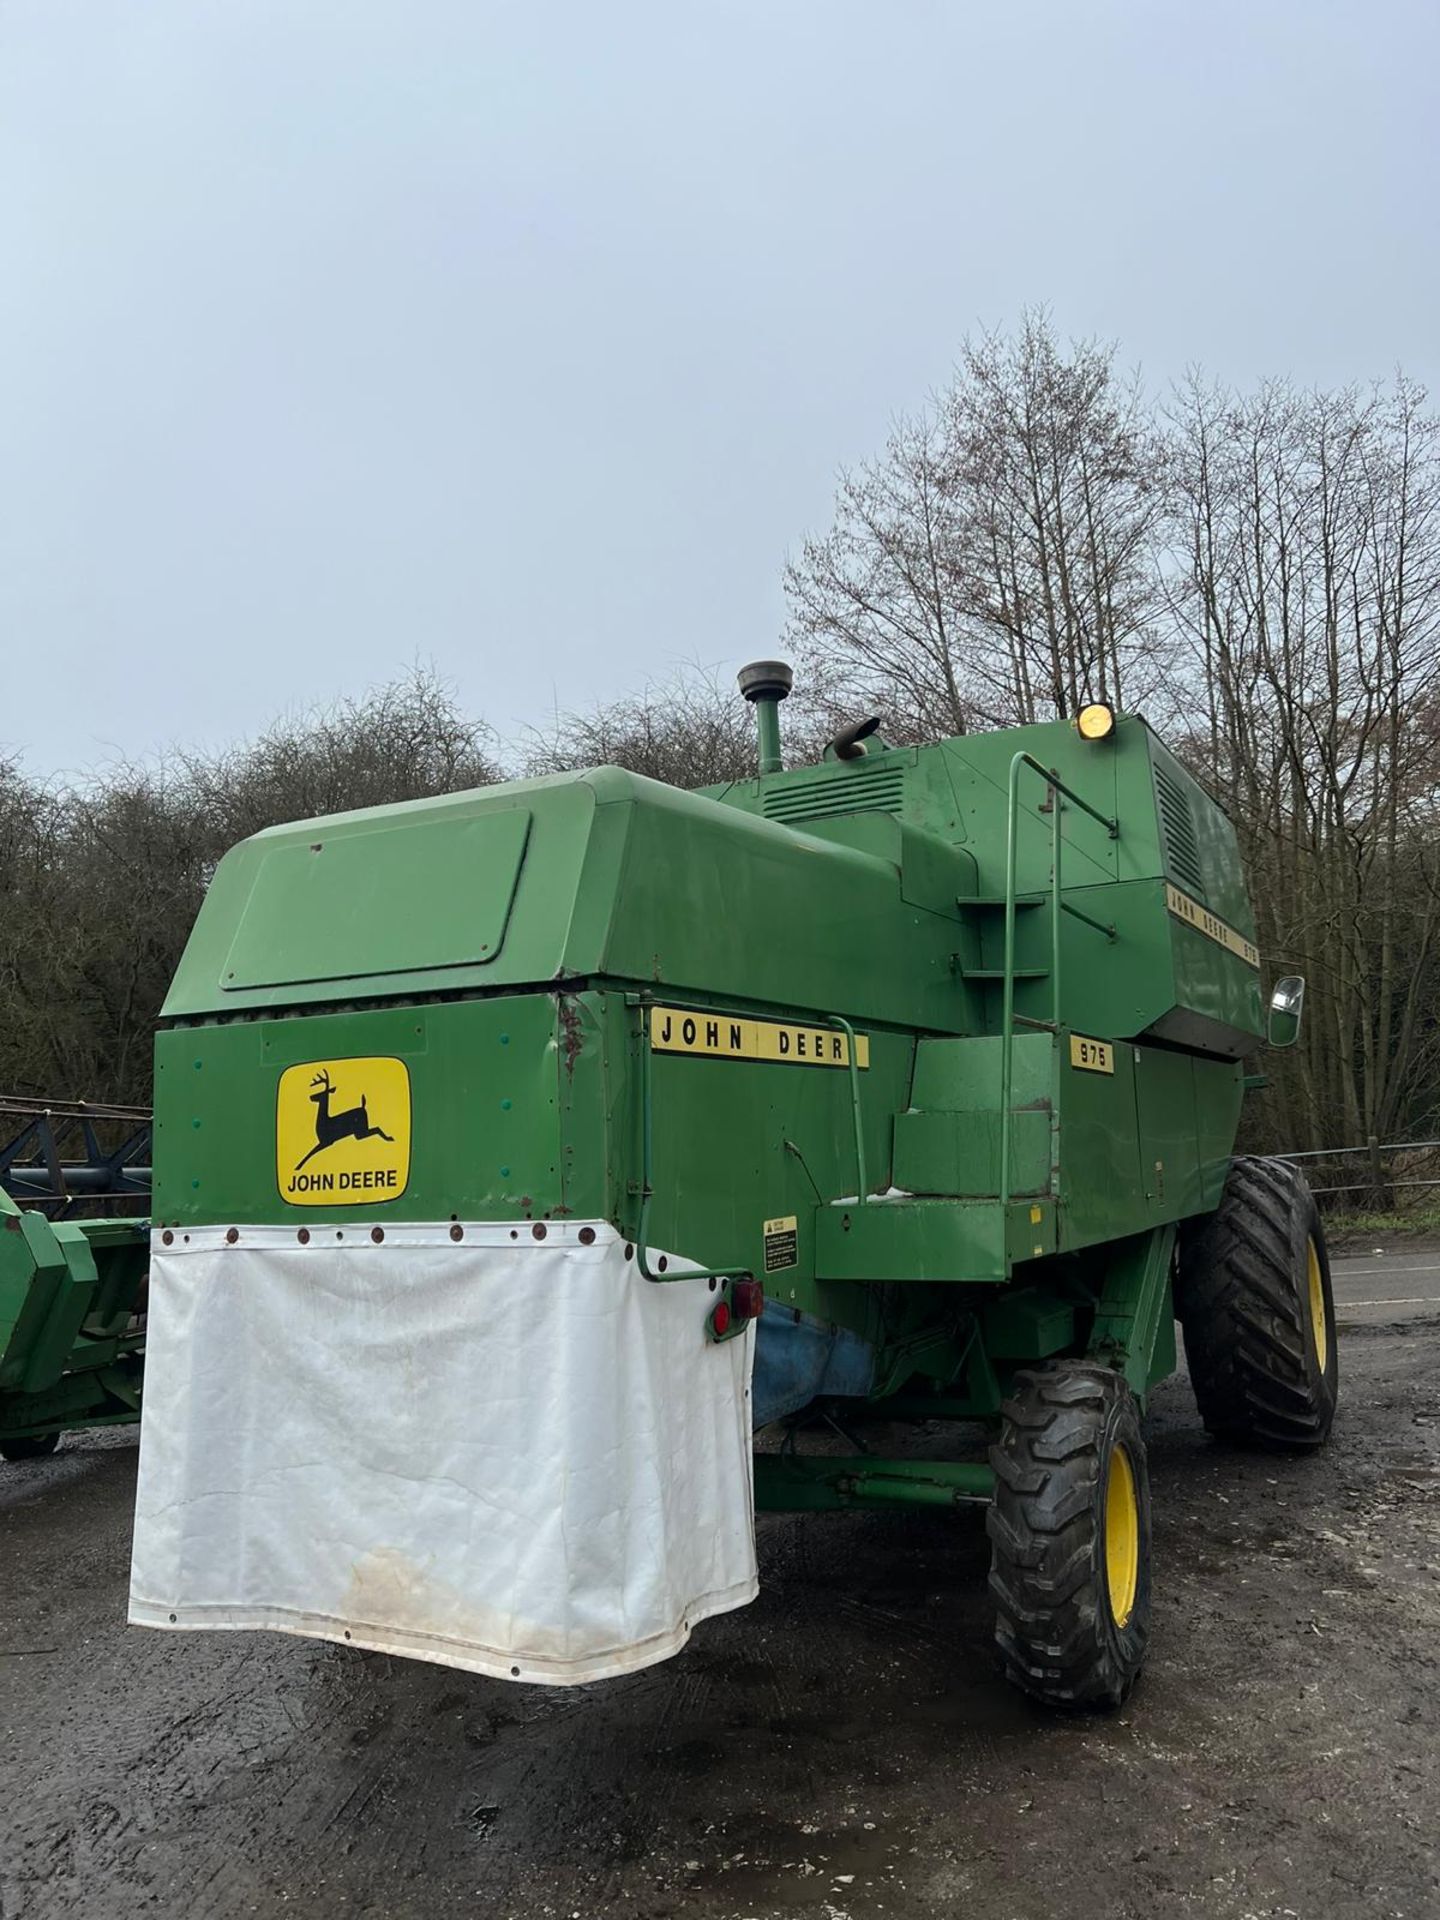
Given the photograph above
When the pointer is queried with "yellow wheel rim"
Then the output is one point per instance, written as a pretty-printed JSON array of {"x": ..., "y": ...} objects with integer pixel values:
[
  {"x": 1122, "y": 1536},
  {"x": 1319, "y": 1332}
]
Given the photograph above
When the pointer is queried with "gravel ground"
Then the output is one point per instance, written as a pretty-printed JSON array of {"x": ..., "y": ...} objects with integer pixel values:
[{"x": 842, "y": 1749}]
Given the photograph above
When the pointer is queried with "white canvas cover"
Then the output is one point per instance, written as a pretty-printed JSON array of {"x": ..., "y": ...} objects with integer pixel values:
[{"x": 500, "y": 1453}]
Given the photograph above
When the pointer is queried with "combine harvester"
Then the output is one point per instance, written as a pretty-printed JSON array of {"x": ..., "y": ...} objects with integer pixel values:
[
  {"x": 488, "y": 1125},
  {"x": 72, "y": 1290}
]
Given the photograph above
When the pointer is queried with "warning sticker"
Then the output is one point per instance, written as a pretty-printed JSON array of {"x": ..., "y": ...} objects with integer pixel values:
[
  {"x": 723, "y": 1036},
  {"x": 342, "y": 1132},
  {"x": 782, "y": 1243}
]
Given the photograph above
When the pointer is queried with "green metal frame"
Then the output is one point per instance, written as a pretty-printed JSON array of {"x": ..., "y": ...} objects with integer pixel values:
[
  {"x": 1127, "y": 1286},
  {"x": 68, "y": 1294},
  {"x": 1058, "y": 906},
  {"x": 520, "y": 1004},
  {"x": 788, "y": 1482},
  {"x": 1135, "y": 1303}
]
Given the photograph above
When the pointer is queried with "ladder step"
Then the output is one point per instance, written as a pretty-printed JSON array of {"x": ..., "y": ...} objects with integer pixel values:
[
  {"x": 998, "y": 973},
  {"x": 1024, "y": 902}
]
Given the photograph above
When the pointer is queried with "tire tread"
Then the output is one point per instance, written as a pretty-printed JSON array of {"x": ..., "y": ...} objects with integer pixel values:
[
  {"x": 1043, "y": 1530},
  {"x": 1241, "y": 1299}
]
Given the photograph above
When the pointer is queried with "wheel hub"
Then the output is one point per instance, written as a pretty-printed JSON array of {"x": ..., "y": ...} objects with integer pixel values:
[
  {"x": 1122, "y": 1536},
  {"x": 1319, "y": 1332}
]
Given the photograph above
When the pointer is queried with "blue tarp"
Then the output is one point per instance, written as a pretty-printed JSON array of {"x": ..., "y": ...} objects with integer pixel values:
[{"x": 798, "y": 1357}]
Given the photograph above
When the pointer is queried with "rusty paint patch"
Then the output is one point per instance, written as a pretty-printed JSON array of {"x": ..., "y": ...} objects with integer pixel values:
[{"x": 572, "y": 1037}]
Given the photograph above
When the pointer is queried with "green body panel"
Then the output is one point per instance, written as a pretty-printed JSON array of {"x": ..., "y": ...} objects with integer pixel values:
[
  {"x": 486, "y": 1099},
  {"x": 248, "y": 910},
  {"x": 70, "y": 1354},
  {"x": 622, "y": 878},
  {"x": 1028, "y": 1323},
  {"x": 311, "y": 910},
  {"x": 508, "y": 946},
  {"x": 922, "y": 1240}
]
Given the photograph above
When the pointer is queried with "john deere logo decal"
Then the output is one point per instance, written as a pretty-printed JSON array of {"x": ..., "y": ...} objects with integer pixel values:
[{"x": 342, "y": 1132}]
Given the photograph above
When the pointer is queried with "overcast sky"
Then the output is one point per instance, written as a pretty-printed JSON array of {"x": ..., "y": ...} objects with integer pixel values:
[{"x": 527, "y": 339}]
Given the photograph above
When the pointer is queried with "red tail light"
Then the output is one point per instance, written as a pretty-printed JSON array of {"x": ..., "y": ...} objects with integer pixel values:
[
  {"x": 747, "y": 1299},
  {"x": 744, "y": 1300}
]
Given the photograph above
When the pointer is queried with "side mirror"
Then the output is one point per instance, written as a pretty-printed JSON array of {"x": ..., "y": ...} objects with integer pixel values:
[{"x": 1286, "y": 1003}]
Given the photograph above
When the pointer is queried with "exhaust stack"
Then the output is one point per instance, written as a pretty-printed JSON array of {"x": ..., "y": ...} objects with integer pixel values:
[{"x": 765, "y": 683}]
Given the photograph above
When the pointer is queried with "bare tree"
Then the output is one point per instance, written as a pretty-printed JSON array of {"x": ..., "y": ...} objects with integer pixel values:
[
  {"x": 992, "y": 565},
  {"x": 1055, "y": 466},
  {"x": 692, "y": 730},
  {"x": 1261, "y": 573},
  {"x": 36, "y": 961},
  {"x": 1303, "y": 576},
  {"x": 99, "y": 887},
  {"x": 399, "y": 742},
  {"x": 877, "y": 606}
]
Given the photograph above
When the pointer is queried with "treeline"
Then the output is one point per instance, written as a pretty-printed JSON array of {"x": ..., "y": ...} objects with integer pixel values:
[
  {"x": 1258, "y": 573},
  {"x": 100, "y": 884}
]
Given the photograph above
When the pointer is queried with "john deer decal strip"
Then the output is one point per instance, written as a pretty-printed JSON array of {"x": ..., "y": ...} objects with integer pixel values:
[
  {"x": 1213, "y": 928},
  {"x": 722, "y": 1036}
]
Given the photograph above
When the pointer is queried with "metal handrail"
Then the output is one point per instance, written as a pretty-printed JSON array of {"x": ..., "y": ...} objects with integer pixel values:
[
  {"x": 1057, "y": 907},
  {"x": 647, "y": 1167},
  {"x": 862, "y": 1188}
]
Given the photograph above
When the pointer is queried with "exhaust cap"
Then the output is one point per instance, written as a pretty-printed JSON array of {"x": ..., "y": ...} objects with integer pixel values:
[
  {"x": 850, "y": 745},
  {"x": 765, "y": 680}
]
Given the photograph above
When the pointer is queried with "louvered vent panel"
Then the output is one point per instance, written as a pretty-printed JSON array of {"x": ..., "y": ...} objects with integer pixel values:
[
  {"x": 1177, "y": 823},
  {"x": 867, "y": 790}
]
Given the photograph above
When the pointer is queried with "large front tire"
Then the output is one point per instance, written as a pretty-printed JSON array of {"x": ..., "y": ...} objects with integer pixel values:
[
  {"x": 1253, "y": 1294},
  {"x": 1070, "y": 1536}
]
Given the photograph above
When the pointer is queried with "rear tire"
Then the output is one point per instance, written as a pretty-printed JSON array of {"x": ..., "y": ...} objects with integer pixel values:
[
  {"x": 1253, "y": 1294},
  {"x": 1070, "y": 1536},
  {"x": 30, "y": 1449}
]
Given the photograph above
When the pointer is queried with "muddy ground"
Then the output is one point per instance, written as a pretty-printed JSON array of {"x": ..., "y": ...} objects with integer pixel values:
[{"x": 842, "y": 1749}]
